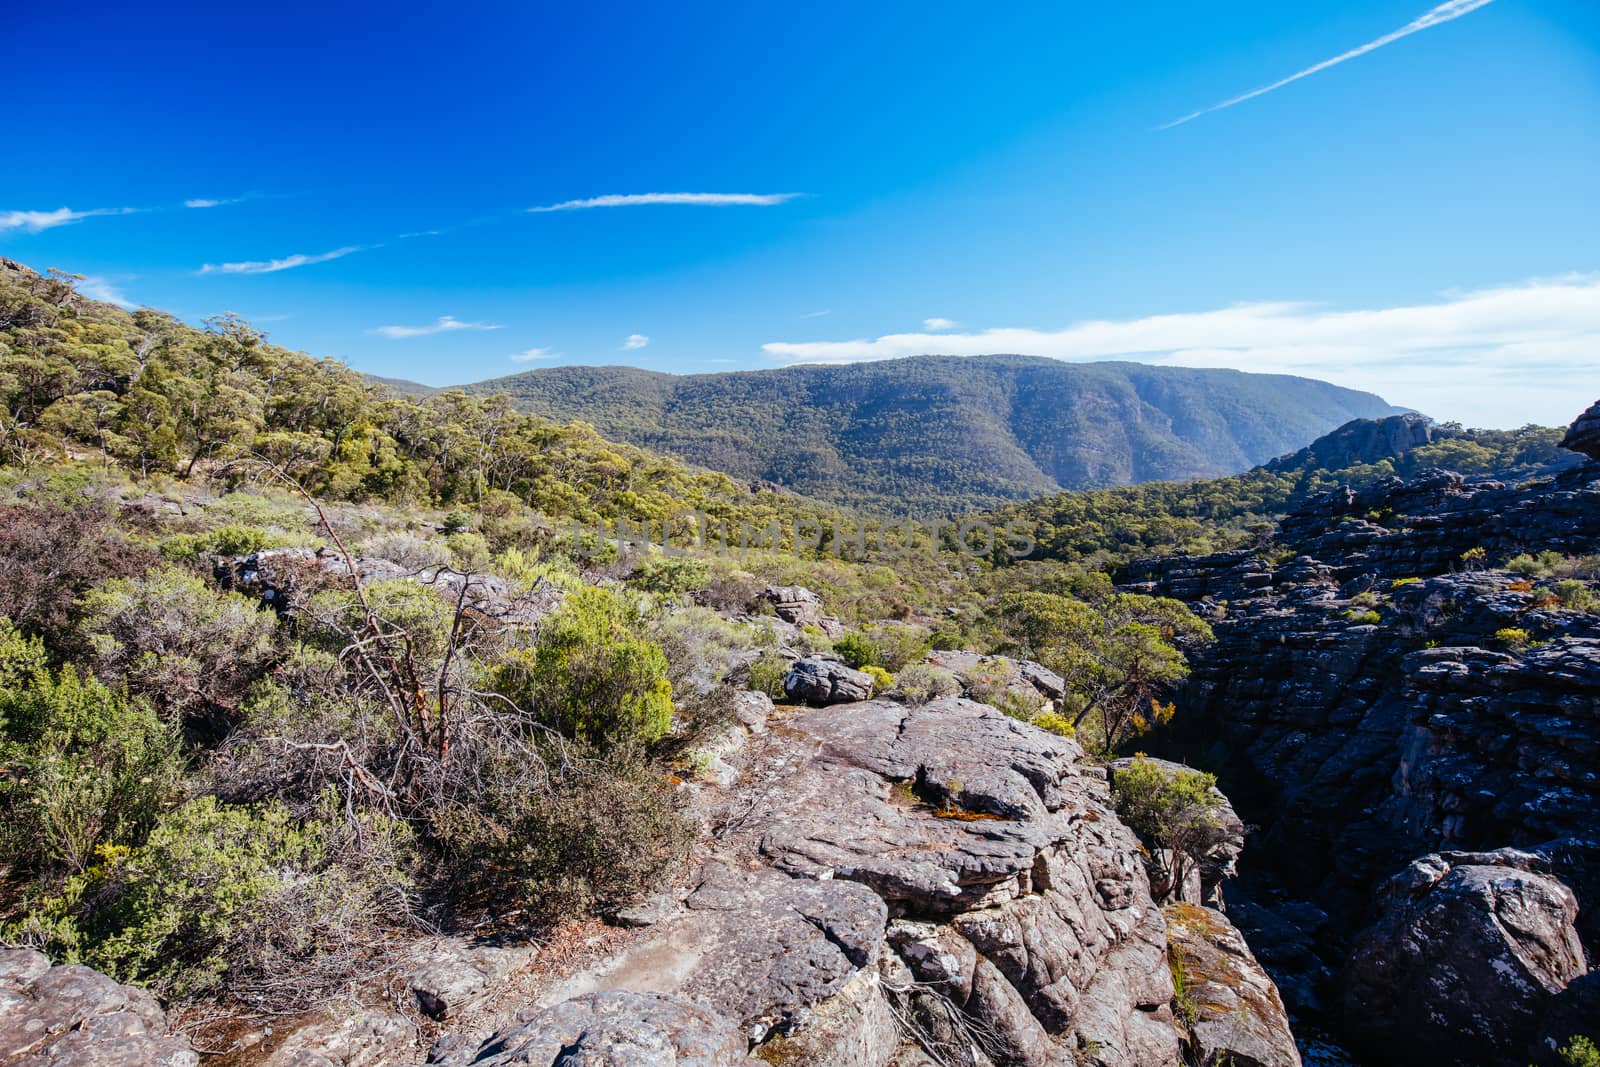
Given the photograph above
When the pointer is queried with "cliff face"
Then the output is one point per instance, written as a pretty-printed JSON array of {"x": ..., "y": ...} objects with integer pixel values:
[{"x": 1377, "y": 693}]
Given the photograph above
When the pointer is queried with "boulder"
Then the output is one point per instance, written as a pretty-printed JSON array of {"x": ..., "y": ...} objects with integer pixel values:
[
  {"x": 1584, "y": 434},
  {"x": 820, "y": 680},
  {"x": 614, "y": 1028},
  {"x": 1468, "y": 952},
  {"x": 752, "y": 709},
  {"x": 800, "y": 606},
  {"x": 72, "y": 1016},
  {"x": 1230, "y": 1006}
]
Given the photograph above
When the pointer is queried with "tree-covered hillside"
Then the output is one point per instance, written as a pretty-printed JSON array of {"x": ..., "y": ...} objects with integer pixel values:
[
  {"x": 84, "y": 380},
  {"x": 944, "y": 434}
]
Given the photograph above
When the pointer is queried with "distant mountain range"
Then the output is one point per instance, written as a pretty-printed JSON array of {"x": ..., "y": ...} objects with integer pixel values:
[{"x": 947, "y": 434}]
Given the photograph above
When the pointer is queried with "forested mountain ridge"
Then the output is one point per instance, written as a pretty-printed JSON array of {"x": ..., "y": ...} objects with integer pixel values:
[{"x": 944, "y": 434}]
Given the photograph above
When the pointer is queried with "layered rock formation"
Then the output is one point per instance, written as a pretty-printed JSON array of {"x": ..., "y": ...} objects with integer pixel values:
[
  {"x": 889, "y": 885},
  {"x": 1377, "y": 692}
]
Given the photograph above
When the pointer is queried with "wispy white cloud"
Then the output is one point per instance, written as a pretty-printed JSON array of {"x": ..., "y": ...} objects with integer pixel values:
[
  {"x": 635, "y": 342},
  {"x": 1446, "y": 12},
  {"x": 445, "y": 324},
  {"x": 532, "y": 355},
  {"x": 270, "y": 266},
  {"x": 202, "y": 202},
  {"x": 939, "y": 324},
  {"x": 36, "y": 221},
  {"x": 817, "y": 314},
  {"x": 698, "y": 199},
  {"x": 1467, "y": 355},
  {"x": 97, "y": 288}
]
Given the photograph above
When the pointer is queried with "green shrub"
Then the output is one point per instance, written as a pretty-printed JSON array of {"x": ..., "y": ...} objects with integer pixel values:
[
  {"x": 1177, "y": 811},
  {"x": 243, "y": 898},
  {"x": 1540, "y": 566},
  {"x": 1401, "y": 583},
  {"x": 1576, "y": 595},
  {"x": 1580, "y": 1052},
  {"x": 670, "y": 575},
  {"x": 591, "y": 676},
  {"x": 998, "y": 688},
  {"x": 858, "y": 650},
  {"x": 175, "y": 639},
  {"x": 84, "y": 766},
  {"x": 1363, "y": 618},
  {"x": 921, "y": 682},
  {"x": 767, "y": 674},
  {"x": 899, "y": 644}
]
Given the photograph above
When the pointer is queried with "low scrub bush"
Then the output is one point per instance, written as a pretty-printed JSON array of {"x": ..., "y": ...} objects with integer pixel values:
[
  {"x": 251, "y": 900},
  {"x": 174, "y": 639},
  {"x": 84, "y": 765},
  {"x": 922, "y": 682},
  {"x": 767, "y": 673},
  {"x": 599, "y": 833}
]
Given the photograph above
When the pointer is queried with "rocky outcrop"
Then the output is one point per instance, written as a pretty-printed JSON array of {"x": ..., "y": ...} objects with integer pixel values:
[
  {"x": 1230, "y": 1007},
  {"x": 799, "y": 606},
  {"x": 822, "y": 680},
  {"x": 71, "y": 1016},
  {"x": 1584, "y": 435},
  {"x": 1018, "y": 675},
  {"x": 283, "y": 578},
  {"x": 1469, "y": 949},
  {"x": 894, "y": 886},
  {"x": 447, "y": 974}
]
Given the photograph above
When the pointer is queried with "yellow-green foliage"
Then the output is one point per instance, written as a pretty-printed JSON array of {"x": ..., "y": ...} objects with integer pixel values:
[
  {"x": 882, "y": 680},
  {"x": 591, "y": 675},
  {"x": 1514, "y": 638},
  {"x": 1580, "y": 1052}
]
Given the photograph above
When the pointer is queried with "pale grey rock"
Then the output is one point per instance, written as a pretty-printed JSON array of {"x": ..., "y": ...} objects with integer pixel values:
[
  {"x": 752, "y": 710},
  {"x": 615, "y": 1028},
  {"x": 345, "y": 1035},
  {"x": 447, "y": 974},
  {"x": 72, "y": 1016}
]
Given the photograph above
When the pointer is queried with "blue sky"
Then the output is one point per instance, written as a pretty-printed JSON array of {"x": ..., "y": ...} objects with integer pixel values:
[{"x": 1420, "y": 219}]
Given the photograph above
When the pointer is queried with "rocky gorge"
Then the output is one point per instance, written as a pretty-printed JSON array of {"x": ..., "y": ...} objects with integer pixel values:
[{"x": 1413, "y": 732}]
